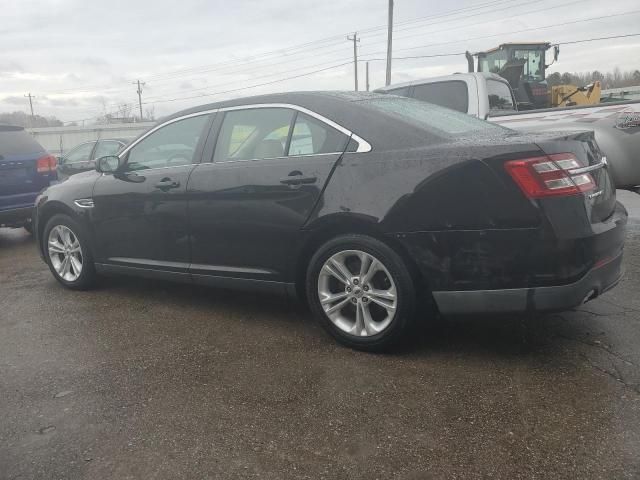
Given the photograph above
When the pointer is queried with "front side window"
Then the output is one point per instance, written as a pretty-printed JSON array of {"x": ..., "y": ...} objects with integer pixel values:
[
  {"x": 500, "y": 98},
  {"x": 493, "y": 61},
  {"x": 79, "y": 154},
  {"x": 170, "y": 146},
  {"x": 451, "y": 94},
  {"x": 107, "y": 147}
]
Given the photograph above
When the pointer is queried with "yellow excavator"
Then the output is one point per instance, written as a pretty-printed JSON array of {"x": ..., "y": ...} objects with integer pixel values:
[{"x": 524, "y": 66}]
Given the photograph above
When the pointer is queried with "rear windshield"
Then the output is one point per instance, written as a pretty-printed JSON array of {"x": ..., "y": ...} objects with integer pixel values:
[
  {"x": 16, "y": 141},
  {"x": 442, "y": 121}
]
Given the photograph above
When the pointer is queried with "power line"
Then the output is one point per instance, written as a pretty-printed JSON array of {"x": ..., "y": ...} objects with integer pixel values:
[
  {"x": 287, "y": 51},
  {"x": 252, "y": 86},
  {"x": 601, "y": 17}
]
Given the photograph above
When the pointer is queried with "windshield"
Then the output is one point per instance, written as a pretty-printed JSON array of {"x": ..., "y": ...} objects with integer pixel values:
[{"x": 442, "y": 121}]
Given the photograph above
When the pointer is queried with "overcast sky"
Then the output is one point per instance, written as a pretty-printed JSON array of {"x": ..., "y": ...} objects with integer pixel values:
[{"x": 80, "y": 57}]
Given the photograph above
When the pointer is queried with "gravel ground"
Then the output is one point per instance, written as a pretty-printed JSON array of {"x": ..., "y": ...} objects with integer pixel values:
[{"x": 152, "y": 380}]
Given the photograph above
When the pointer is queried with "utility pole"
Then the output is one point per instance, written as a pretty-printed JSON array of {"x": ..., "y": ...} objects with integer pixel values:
[
  {"x": 367, "y": 76},
  {"x": 139, "y": 91},
  {"x": 31, "y": 97},
  {"x": 355, "y": 40},
  {"x": 389, "y": 42}
]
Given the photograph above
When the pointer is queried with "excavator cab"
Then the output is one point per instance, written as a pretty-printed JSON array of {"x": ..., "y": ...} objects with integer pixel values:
[{"x": 524, "y": 66}]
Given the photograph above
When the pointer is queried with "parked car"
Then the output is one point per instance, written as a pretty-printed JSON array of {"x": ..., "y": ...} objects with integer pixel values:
[
  {"x": 368, "y": 205},
  {"x": 486, "y": 95},
  {"x": 83, "y": 157},
  {"x": 25, "y": 169}
]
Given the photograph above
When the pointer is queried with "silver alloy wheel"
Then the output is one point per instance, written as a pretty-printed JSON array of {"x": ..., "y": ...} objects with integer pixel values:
[
  {"x": 357, "y": 293},
  {"x": 65, "y": 253}
]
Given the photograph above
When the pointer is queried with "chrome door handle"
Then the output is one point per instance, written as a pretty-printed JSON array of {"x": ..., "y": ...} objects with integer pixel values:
[
  {"x": 298, "y": 180},
  {"x": 167, "y": 183}
]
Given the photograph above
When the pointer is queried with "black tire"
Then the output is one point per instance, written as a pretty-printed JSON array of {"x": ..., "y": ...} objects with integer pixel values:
[
  {"x": 403, "y": 319},
  {"x": 87, "y": 276}
]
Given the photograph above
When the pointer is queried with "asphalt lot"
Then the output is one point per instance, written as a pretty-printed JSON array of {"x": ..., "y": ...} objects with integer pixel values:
[{"x": 142, "y": 379}]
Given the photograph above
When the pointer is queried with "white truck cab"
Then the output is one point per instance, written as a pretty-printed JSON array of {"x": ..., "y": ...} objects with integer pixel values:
[{"x": 479, "y": 94}]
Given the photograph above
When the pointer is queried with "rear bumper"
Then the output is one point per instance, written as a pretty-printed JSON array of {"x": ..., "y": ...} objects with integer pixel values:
[
  {"x": 15, "y": 217},
  {"x": 562, "y": 297}
]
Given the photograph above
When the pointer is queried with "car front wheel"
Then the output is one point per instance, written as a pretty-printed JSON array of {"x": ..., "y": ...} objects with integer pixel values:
[
  {"x": 362, "y": 292},
  {"x": 67, "y": 252}
]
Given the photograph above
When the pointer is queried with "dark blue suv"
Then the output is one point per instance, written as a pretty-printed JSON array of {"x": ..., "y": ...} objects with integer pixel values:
[{"x": 25, "y": 169}]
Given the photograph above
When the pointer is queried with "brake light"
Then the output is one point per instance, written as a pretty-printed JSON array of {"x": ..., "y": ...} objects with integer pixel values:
[
  {"x": 47, "y": 163},
  {"x": 549, "y": 176}
]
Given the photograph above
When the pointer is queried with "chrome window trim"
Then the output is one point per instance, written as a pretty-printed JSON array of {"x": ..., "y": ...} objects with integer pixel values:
[
  {"x": 363, "y": 145},
  {"x": 142, "y": 170}
]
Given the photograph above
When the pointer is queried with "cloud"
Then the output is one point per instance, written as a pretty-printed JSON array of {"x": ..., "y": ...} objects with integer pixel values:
[{"x": 81, "y": 54}]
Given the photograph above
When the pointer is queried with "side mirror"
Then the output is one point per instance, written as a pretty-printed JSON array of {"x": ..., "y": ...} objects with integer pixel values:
[{"x": 108, "y": 164}]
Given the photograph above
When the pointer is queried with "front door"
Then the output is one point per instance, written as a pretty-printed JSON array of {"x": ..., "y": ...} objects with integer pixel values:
[
  {"x": 140, "y": 213},
  {"x": 247, "y": 207}
]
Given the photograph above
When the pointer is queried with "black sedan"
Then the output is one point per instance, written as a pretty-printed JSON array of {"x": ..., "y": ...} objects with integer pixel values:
[{"x": 369, "y": 206}]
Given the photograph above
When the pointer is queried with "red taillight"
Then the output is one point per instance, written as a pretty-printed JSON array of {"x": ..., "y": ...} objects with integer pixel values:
[
  {"x": 47, "y": 163},
  {"x": 550, "y": 176}
]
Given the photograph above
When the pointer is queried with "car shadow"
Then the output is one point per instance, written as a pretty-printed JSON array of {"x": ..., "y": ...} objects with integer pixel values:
[
  {"x": 15, "y": 237},
  {"x": 504, "y": 335}
]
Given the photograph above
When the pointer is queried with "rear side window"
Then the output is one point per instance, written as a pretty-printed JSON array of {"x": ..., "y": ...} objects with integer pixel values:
[
  {"x": 441, "y": 121},
  {"x": 452, "y": 94},
  {"x": 253, "y": 133},
  {"x": 262, "y": 133},
  {"x": 310, "y": 136},
  {"x": 500, "y": 98},
  {"x": 16, "y": 141}
]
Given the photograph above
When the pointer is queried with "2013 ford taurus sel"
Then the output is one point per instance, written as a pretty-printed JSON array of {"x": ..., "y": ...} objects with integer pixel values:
[{"x": 368, "y": 205}]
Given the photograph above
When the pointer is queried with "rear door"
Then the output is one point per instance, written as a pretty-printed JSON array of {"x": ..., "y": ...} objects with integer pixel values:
[{"x": 248, "y": 205}]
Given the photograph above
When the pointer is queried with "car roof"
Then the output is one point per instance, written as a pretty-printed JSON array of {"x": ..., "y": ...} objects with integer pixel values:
[{"x": 303, "y": 99}]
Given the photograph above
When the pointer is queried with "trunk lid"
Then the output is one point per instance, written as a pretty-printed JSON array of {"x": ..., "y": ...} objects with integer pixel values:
[{"x": 600, "y": 201}]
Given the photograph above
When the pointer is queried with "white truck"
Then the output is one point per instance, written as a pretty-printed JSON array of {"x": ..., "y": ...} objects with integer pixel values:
[{"x": 486, "y": 95}]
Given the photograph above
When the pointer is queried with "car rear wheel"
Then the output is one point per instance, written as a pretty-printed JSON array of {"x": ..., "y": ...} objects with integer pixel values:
[
  {"x": 361, "y": 292},
  {"x": 68, "y": 253}
]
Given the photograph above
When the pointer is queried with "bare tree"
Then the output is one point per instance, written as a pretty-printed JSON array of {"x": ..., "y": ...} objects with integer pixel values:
[{"x": 150, "y": 113}]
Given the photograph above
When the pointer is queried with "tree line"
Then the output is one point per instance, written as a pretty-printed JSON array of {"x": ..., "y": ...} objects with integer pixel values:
[
  {"x": 23, "y": 119},
  {"x": 615, "y": 79}
]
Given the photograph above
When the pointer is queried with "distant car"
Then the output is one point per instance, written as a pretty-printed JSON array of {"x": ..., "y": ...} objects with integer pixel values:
[
  {"x": 368, "y": 205},
  {"x": 25, "y": 169},
  {"x": 83, "y": 157}
]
